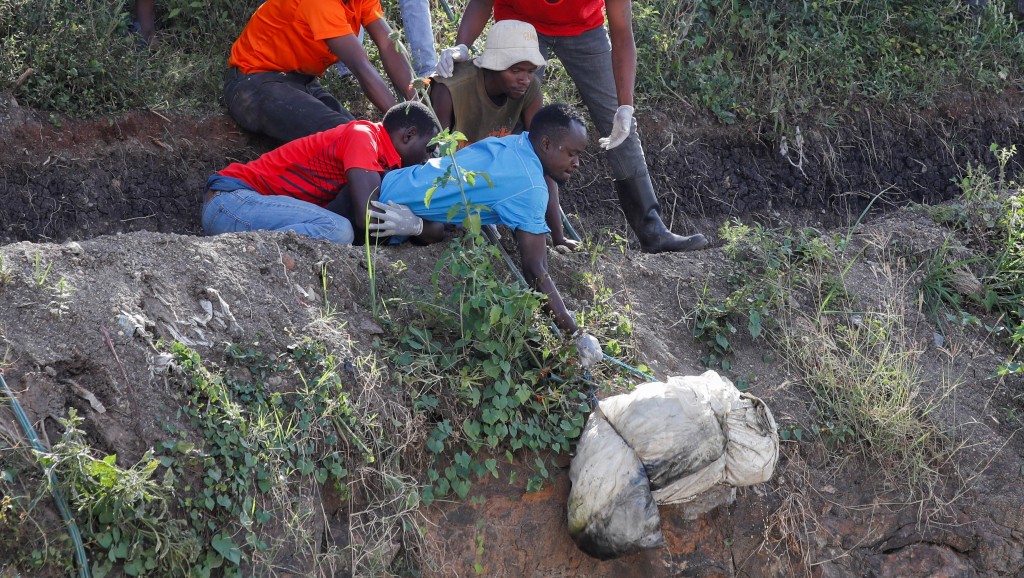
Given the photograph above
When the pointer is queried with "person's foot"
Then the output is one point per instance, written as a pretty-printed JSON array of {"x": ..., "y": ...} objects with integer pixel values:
[{"x": 670, "y": 242}]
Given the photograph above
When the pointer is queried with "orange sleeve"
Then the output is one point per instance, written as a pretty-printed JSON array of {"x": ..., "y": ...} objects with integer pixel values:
[
  {"x": 328, "y": 19},
  {"x": 370, "y": 11}
]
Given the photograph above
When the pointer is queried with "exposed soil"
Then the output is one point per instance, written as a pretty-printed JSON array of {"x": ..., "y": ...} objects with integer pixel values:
[{"x": 111, "y": 205}]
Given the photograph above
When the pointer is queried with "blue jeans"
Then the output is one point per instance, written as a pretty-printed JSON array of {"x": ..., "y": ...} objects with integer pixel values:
[
  {"x": 587, "y": 57},
  {"x": 419, "y": 36},
  {"x": 247, "y": 210}
]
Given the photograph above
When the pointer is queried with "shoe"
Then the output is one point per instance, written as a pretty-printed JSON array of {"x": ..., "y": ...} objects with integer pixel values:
[{"x": 636, "y": 195}]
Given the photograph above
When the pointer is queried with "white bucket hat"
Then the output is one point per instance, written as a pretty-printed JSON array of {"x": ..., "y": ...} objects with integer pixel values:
[{"x": 509, "y": 42}]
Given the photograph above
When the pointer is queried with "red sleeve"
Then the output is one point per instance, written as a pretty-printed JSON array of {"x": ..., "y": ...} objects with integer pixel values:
[{"x": 361, "y": 151}]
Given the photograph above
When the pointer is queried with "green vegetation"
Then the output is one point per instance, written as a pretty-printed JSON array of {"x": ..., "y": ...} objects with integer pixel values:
[
  {"x": 739, "y": 60},
  {"x": 479, "y": 362},
  {"x": 778, "y": 62},
  {"x": 991, "y": 215},
  {"x": 789, "y": 287},
  {"x": 249, "y": 474}
]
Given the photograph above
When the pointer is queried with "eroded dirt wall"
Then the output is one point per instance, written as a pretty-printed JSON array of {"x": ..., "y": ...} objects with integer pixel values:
[{"x": 145, "y": 171}]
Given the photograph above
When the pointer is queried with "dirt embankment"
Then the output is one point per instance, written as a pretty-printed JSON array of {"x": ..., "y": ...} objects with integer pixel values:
[
  {"x": 141, "y": 175},
  {"x": 145, "y": 172}
]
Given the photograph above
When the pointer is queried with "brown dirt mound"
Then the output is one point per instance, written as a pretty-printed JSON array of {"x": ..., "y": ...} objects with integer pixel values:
[{"x": 125, "y": 190}]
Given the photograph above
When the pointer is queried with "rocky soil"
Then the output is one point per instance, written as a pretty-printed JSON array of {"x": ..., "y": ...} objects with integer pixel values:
[{"x": 111, "y": 206}]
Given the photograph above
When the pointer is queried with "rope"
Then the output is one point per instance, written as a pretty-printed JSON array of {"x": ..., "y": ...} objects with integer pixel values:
[
  {"x": 62, "y": 505},
  {"x": 568, "y": 227}
]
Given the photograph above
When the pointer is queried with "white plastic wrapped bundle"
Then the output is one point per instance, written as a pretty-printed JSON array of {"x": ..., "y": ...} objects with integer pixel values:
[
  {"x": 663, "y": 443},
  {"x": 671, "y": 427},
  {"x": 611, "y": 510}
]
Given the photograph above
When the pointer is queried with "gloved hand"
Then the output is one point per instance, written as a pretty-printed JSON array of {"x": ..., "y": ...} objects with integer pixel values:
[
  {"x": 589, "y": 350},
  {"x": 448, "y": 57},
  {"x": 621, "y": 125},
  {"x": 395, "y": 219}
]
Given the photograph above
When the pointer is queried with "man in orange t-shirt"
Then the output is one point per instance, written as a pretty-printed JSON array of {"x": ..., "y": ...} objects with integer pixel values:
[{"x": 271, "y": 86}]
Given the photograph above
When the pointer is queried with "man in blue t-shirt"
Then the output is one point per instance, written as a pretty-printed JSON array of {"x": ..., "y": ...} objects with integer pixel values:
[{"x": 514, "y": 194}]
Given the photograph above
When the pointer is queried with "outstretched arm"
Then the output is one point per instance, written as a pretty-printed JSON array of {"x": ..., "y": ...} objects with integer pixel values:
[
  {"x": 534, "y": 255},
  {"x": 398, "y": 69},
  {"x": 441, "y": 101},
  {"x": 350, "y": 51},
  {"x": 620, "y": 29},
  {"x": 474, "y": 18}
]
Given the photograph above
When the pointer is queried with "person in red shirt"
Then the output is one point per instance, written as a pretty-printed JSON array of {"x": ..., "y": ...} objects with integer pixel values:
[
  {"x": 602, "y": 63},
  {"x": 271, "y": 86},
  {"x": 297, "y": 187}
]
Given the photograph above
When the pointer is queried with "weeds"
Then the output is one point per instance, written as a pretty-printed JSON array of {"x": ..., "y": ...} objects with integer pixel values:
[
  {"x": 40, "y": 271},
  {"x": 814, "y": 56},
  {"x": 992, "y": 213},
  {"x": 6, "y": 274},
  {"x": 478, "y": 363},
  {"x": 762, "y": 258},
  {"x": 866, "y": 376},
  {"x": 261, "y": 456},
  {"x": 60, "y": 302},
  {"x": 124, "y": 514}
]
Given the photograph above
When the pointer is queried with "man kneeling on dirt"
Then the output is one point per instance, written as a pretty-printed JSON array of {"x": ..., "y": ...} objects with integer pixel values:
[
  {"x": 271, "y": 86},
  {"x": 321, "y": 186}
]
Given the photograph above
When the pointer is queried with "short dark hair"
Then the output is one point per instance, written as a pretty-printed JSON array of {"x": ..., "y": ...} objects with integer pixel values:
[
  {"x": 411, "y": 114},
  {"x": 553, "y": 120}
]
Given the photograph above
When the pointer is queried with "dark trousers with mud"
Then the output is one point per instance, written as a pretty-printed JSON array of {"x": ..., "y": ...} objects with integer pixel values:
[
  {"x": 587, "y": 57},
  {"x": 283, "y": 105}
]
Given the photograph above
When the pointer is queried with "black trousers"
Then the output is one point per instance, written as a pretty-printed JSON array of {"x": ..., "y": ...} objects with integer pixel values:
[{"x": 283, "y": 105}]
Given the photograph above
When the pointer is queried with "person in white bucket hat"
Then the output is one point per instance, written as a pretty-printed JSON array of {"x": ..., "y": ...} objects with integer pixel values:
[
  {"x": 601, "y": 60},
  {"x": 497, "y": 94}
]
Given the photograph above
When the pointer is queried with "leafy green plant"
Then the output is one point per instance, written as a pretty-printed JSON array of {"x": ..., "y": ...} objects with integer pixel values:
[
  {"x": 993, "y": 213},
  {"x": 763, "y": 260},
  {"x": 479, "y": 362},
  {"x": 124, "y": 513},
  {"x": 888, "y": 53},
  {"x": 60, "y": 302},
  {"x": 259, "y": 450}
]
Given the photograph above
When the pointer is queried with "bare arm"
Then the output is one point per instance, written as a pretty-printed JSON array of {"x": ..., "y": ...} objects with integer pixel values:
[
  {"x": 350, "y": 51},
  {"x": 363, "y": 186},
  {"x": 398, "y": 69},
  {"x": 474, "y": 18},
  {"x": 533, "y": 253},
  {"x": 620, "y": 29},
  {"x": 553, "y": 216},
  {"x": 441, "y": 100}
]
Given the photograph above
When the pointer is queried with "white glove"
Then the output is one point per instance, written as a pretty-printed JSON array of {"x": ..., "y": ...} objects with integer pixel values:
[
  {"x": 589, "y": 350},
  {"x": 395, "y": 219},
  {"x": 621, "y": 125},
  {"x": 448, "y": 57}
]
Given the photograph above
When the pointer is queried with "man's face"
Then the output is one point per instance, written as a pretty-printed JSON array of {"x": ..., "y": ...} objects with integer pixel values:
[
  {"x": 517, "y": 78},
  {"x": 412, "y": 147},
  {"x": 560, "y": 156}
]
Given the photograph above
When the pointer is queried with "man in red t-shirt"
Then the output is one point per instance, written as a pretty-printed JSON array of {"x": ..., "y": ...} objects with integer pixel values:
[
  {"x": 271, "y": 86},
  {"x": 295, "y": 187},
  {"x": 602, "y": 63}
]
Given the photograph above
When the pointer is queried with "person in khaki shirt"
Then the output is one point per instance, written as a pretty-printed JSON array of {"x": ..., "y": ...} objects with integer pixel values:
[{"x": 497, "y": 94}]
